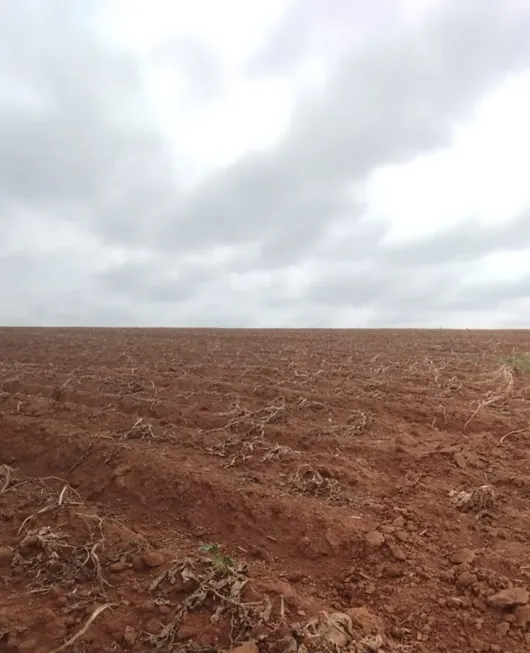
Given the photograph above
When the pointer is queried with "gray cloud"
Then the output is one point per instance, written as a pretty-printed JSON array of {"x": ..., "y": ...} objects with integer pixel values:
[
  {"x": 78, "y": 144},
  {"x": 151, "y": 281},
  {"x": 383, "y": 105},
  {"x": 467, "y": 241}
]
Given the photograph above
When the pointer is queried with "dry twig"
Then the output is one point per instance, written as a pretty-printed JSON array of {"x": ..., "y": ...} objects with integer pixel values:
[{"x": 83, "y": 630}]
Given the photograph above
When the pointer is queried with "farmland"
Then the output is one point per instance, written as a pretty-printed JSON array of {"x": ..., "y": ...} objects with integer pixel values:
[{"x": 194, "y": 490}]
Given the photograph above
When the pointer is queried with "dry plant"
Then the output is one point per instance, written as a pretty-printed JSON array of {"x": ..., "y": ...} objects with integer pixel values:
[
  {"x": 499, "y": 396},
  {"x": 140, "y": 430},
  {"x": 8, "y": 478},
  {"x": 47, "y": 554},
  {"x": 356, "y": 424},
  {"x": 240, "y": 449},
  {"x": 308, "y": 481},
  {"x": 304, "y": 403},
  {"x": 477, "y": 500},
  {"x": 248, "y": 439},
  {"x": 216, "y": 584},
  {"x": 250, "y": 423},
  {"x": 62, "y": 500},
  {"x": 358, "y": 421},
  {"x": 72, "y": 640},
  {"x": 525, "y": 429},
  {"x": 336, "y": 633},
  {"x": 69, "y": 549}
]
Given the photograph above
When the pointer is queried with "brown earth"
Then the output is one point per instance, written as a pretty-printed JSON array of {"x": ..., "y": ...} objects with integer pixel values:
[{"x": 194, "y": 490}]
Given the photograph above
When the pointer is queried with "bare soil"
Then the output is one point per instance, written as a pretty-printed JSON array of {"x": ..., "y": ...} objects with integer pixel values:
[{"x": 197, "y": 490}]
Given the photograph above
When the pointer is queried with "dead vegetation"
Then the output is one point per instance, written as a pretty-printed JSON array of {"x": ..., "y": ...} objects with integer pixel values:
[
  {"x": 216, "y": 584},
  {"x": 310, "y": 482},
  {"x": 239, "y": 450},
  {"x": 478, "y": 500},
  {"x": 61, "y": 543}
]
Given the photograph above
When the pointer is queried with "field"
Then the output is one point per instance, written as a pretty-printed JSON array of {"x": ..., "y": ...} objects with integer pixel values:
[{"x": 197, "y": 490}]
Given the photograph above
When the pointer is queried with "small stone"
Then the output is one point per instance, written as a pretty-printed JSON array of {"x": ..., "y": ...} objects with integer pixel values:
[
  {"x": 522, "y": 615},
  {"x": 477, "y": 644},
  {"x": 129, "y": 636},
  {"x": 460, "y": 460},
  {"x": 466, "y": 579},
  {"x": 509, "y": 598},
  {"x": 152, "y": 558},
  {"x": 119, "y": 566},
  {"x": 6, "y": 556},
  {"x": 121, "y": 470},
  {"x": 502, "y": 629},
  {"x": 398, "y": 633},
  {"x": 397, "y": 551},
  {"x": 246, "y": 647},
  {"x": 463, "y": 556},
  {"x": 369, "y": 623},
  {"x": 295, "y": 576},
  {"x": 137, "y": 562},
  {"x": 374, "y": 539},
  {"x": 403, "y": 536},
  {"x": 392, "y": 571},
  {"x": 148, "y": 605},
  {"x": 154, "y": 626}
]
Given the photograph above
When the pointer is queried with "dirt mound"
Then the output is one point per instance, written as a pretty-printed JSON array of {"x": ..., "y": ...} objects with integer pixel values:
[{"x": 274, "y": 491}]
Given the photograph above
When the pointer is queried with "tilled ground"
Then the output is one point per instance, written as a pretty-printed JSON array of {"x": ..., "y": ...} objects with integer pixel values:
[{"x": 179, "y": 490}]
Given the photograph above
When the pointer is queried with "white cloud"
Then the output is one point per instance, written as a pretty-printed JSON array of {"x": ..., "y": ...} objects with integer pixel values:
[
  {"x": 483, "y": 173},
  {"x": 275, "y": 163}
]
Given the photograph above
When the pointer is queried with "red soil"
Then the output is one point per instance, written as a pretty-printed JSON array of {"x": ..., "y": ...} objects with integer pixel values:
[{"x": 329, "y": 462}]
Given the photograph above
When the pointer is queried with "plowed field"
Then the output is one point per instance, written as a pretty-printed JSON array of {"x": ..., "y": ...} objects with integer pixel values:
[{"x": 197, "y": 490}]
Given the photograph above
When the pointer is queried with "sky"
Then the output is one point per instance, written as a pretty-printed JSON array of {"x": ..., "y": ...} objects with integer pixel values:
[{"x": 275, "y": 163}]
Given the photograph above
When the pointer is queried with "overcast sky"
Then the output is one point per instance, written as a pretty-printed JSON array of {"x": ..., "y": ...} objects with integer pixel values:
[{"x": 271, "y": 163}]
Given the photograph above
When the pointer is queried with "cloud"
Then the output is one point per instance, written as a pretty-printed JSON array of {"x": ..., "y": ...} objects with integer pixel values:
[
  {"x": 104, "y": 192},
  {"x": 468, "y": 240}
]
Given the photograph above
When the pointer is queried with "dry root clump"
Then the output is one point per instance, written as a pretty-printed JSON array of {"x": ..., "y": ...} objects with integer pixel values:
[
  {"x": 310, "y": 482},
  {"x": 6, "y": 474},
  {"x": 477, "y": 500},
  {"x": 61, "y": 545},
  {"x": 239, "y": 450},
  {"x": 140, "y": 430},
  {"x": 336, "y": 632},
  {"x": 50, "y": 559},
  {"x": 215, "y": 584}
]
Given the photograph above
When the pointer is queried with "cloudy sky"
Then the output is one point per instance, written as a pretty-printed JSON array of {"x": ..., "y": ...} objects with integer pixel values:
[{"x": 270, "y": 163}]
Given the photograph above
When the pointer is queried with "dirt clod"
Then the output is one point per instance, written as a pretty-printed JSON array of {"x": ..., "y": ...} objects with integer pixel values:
[
  {"x": 152, "y": 558},
  {"x": 463, "y": 556},
  {"x": 130, "y": 636},
  {"x": 6, "y": 556},
  {"x": 522, "y": 615},
  {"x": 397, "y": 552},
  {"x": 509, "y": 598},
  {"x": 246, "y": 647},
  {"x": 374, "y": 539},
  {"x": 364, "y": 619}
]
